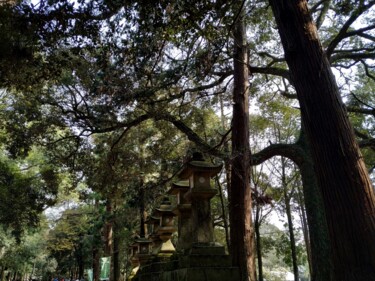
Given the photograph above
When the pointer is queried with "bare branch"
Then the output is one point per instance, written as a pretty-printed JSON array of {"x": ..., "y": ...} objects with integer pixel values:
[
  {"x": 323, "y": 12},
  {"x": 343, "y": 33},
  {"x": 271, "y": 70},
  {"x": 352, "y": 55}
]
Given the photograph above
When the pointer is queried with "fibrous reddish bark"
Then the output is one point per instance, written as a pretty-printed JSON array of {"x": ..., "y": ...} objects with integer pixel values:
[
  {"x": 241, "y": 228},
  {"x": 347, "y": 192}
]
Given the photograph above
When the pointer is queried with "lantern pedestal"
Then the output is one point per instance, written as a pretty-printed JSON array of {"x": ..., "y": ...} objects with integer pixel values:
[
  {"x": 134, "y": 248},
  {"x": 183, "y": 212},
  {"x": 202, "y": 226},
  {"x": 144, "y": 250},
  {"x": 166, "y": 228},
  {"x": 154, "y": 221},
  {"x": 199, "y": 173},
  {"x": 134, "y": 261}
]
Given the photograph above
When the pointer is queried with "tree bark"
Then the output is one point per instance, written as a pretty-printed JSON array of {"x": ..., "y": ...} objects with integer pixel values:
[
  {"x": 97, "y": 245},
  {"x": 227, "y": 168},
  {"x": 347, "y": 192},
  {"x": 321, "y": 257},
  {"x": 241, "y": 228},
  {"x": 108, "y": 229},
  {"x": 95, "y": 263},
  {"x": 116, "y": 253},
  {"x": 224, "y": 213}
]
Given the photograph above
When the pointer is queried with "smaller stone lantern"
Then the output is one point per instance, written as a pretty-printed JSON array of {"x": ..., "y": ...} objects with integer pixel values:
[
  {"x": 183, "y": 210},
  {"x": 166, "y": 228},
  {"x": 133, "y": 253},
  {"x": 154, "y": 221},
  {"x": 144, "y": 251}
]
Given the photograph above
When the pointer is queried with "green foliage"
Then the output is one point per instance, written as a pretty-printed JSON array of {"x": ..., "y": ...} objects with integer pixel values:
[
  {"x": 283, "y": 250},
  {"x": 24, "y": 195},
  {"x": 80, "y": 79},
  {"x": 28, "y": 257},
  {"x": 71, "y": 240}
]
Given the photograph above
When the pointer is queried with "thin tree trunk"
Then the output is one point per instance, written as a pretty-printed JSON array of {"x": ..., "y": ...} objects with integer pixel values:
[
  {"x": 241, "y": 228},
  {"x": 223, "y": 211},
  {"x": 2, "y": 274},
  {"x": 79, "y": 260},
  {"x": 305, "y": 229},
  {"x": 227, "y": 177},
  {"x": 95, "y": 250},
  {"x": 108, "y": 229},
  {"x": 108, "y": 246},
  {"x": 347, "y": 191},
  {"x": 116, "y": 260},
  {"x": 258, "y": 243},
  {"x": 288, "y": 211},
  {"x": 95, "y": 263}
]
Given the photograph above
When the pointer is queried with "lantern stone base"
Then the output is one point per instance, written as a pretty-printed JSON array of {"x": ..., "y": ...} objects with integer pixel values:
[
  {"x": 191, "y": 274},
  {"x": 202, "y": 274},
  {"x": 192, "y": 267},
  {"x": 143, "y": 258},
  {"x": 206, "y": 248}
]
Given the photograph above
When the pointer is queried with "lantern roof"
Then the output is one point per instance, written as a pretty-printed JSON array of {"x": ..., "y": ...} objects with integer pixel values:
[
  {"x": 164, "y": 212},
  {"x": 165, "y": 208},
  {"x": 152, "y": 219},
  {"x": 142, "y": 240},
  {"x": 199, "y": 164},
  {"x": 178, "y": 186},
  {"x": 134, "y": 244}
]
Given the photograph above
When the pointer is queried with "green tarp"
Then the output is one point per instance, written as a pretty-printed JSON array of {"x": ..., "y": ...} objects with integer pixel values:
[
  {"x": 89, "y": 274},
  {"x": 105, "y": 265}
]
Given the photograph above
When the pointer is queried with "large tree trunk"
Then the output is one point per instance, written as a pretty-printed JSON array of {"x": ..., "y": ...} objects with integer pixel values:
[
  {"x": 347, "y": 192},
  {"x": 299, "y": 153},
  {"x": 321, "y": 258},
  {"x": 241, "y": 229}
]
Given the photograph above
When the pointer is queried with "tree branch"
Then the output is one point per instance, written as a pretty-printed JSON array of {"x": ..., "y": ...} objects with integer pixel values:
[
  {"x": 343, "y": 31},
  {"x": 293, "y": 152},
  {"x": 191, "y": 135}
]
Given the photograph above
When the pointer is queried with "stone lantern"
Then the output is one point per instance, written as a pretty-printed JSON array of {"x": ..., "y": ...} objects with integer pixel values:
[
  {"x": 154, "y": 222},
  {"x": 133, "y": 249},
  {"x": 199, "y": 172},
  {"x": 144, "y": 251},
  {"x": 183, "y": 210},
  {"x": 134, "y": 261},
  {"x": 166, "y": 227}
]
